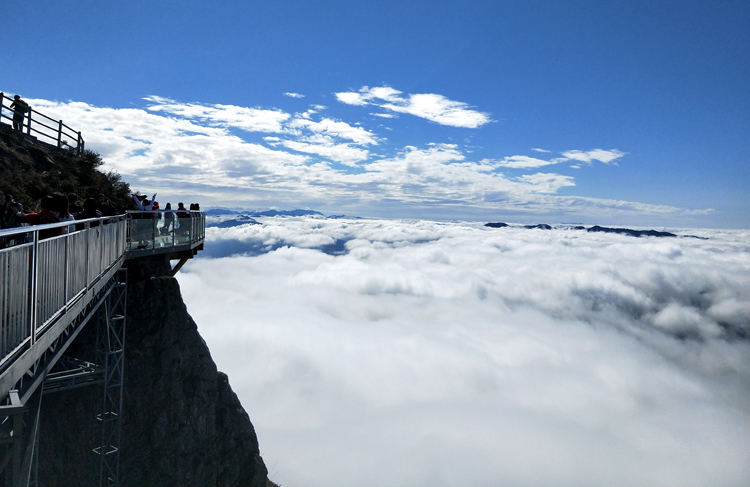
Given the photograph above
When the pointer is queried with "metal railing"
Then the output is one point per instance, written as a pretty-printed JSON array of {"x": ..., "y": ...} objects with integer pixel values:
[
  {"x": 45, "y": 270},
  {"x": 43, "y": 275},
  {"x": 56, "y": 133},
  {"x": 164, "y": 229}
]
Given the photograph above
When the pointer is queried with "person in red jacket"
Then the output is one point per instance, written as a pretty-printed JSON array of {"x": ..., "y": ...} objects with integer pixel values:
[{"x": 45, "y": 215}]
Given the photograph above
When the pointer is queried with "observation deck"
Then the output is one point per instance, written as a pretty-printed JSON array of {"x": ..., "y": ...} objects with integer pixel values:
[{"x": 54, "y": 279}]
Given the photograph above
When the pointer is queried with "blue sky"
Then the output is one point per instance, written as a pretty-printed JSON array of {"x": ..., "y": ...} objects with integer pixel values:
[{"x": 660, "y": 87}]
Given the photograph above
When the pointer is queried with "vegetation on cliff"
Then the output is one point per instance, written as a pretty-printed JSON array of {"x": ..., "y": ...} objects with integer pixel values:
[{"x": 32, "y": 171}]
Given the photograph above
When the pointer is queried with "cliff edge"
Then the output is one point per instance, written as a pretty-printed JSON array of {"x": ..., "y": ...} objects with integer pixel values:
[{"x": 182, "y": 424}]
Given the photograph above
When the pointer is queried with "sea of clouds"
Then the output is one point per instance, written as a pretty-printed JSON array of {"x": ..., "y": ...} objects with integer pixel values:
[{"x": 411, "y": 353}]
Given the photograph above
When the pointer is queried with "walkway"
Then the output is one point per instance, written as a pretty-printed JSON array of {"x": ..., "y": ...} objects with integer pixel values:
[{"x": 50, "y": 287}]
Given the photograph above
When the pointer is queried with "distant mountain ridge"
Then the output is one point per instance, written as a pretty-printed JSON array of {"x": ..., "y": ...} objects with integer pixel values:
[
  {"x": 595, "y": 229},
  {"x": 255, "y": 213}
]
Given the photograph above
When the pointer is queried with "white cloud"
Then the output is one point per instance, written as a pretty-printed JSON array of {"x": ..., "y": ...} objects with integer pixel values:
[
  {"x": 193, "y": 150},
  {"x": 547, "y": 182},
  {"x": 524, "y": 162},
  {"x": 601, "y": 155},
  {"x": 294, "y": 95},
  {"x": 249, "y": 119},
  {"x": 483, "y": 356},
  {"x": 324, "y": 146},
  {"x": 351, "y": 98},
  {"x": 605, "y": 156},
  {"x": 333, "y": 128},
  {"x": 433, "y": 107},
  {"x": 383, "y": 115},
  {"x": 540, "y": 150}
]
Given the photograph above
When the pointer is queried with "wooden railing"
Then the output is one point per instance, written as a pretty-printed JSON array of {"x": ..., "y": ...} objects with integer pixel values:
[{"x": 57, "y": 133}]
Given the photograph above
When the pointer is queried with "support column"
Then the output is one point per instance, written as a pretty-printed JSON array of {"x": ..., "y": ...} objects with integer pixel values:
[{"x": 111, "y": 357}]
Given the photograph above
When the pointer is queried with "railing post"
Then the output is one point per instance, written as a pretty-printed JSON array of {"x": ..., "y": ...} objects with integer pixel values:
[
  {"x": 59, "y": 135},
  {"x": 66, "y": 274},
  {"x": 2, "y": 100},
  {"x": 34, "y": 283},
  {"x": 28, "y": 127},
  {"x": 79, "y": 145},
  {"x": 88, "y": 245}
]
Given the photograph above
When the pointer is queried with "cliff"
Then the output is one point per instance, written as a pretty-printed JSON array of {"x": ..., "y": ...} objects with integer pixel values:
[{"x": 182, "y": 424}]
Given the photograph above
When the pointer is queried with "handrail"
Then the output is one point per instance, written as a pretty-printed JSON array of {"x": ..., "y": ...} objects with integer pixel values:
[
  {"x": 46, "y": 269},
  {"x": 56, "y": 134},
  {"x": 41, "y": 278},
  {"x": 161, "y": 230}
]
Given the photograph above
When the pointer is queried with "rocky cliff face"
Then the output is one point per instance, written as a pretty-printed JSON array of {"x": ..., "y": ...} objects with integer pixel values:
[{"x": 182, "y": 424}]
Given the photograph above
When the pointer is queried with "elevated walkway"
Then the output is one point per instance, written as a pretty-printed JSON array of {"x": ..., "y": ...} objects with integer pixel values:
[{"x": 54, "y": 279}]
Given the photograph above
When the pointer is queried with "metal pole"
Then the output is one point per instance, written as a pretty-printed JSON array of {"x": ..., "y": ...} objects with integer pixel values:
[
  {"x": 2, "y": 100},
  {"x": 80, "y": 149},
  {"x": 34, "y": 283},
  {"x": 66, "y": 274},
  {"x": 28, "y": 128},
  {"x": 59, "y": 135},
  {"x": 88, "y": 245}
]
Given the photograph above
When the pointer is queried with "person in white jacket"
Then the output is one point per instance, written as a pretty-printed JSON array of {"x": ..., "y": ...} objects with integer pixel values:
[{"x": 144, "y": 205}]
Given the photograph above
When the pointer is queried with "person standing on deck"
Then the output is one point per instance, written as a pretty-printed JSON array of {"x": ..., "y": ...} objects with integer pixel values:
[{"x": 144, "y": 205}]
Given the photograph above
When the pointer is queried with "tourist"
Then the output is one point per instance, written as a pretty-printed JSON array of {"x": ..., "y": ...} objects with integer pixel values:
[
  {"x": 45, "y": 216},
  {"x": 89, "y": 211},
  {"x": 168, "y": 219},
  {"x": 104, "y": 206},
  {"x": 73, "y": 205},
  {"x": 62, "y": 209},
  {"x": 19, "y": 108},
  {"x": 143, "y": 203}
]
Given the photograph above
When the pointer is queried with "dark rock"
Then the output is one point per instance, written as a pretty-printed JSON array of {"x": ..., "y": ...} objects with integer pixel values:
[
  {"x": 694, "y": 236},
  {"x": 220, "y": 211},
  {"x": 240, "y": 220},
  {"x": 541, "y": 226},
  {"x": 339, "y": 217},
  {"x": 496, "y": 225},
  {"x": 283, "y": 213},
  {"x": 632, "y": 233},
  {"x": 181, "y": 422}
]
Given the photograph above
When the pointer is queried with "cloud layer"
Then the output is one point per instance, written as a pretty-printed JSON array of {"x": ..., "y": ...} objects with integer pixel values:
[
  {"x": 261, "y": 157},
  {"x": 420, "y": 353}
]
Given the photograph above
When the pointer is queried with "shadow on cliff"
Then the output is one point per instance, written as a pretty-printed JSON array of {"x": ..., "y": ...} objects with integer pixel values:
[{"x": 181, "y": 422}]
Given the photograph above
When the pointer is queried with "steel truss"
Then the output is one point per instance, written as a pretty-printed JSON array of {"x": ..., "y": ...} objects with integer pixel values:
[
  {"x": 19, "y": 415},
  {"x": 110, "y": 352}
]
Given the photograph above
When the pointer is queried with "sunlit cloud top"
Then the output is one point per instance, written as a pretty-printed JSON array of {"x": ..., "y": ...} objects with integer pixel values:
[{"x": 510, "y": 344}]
